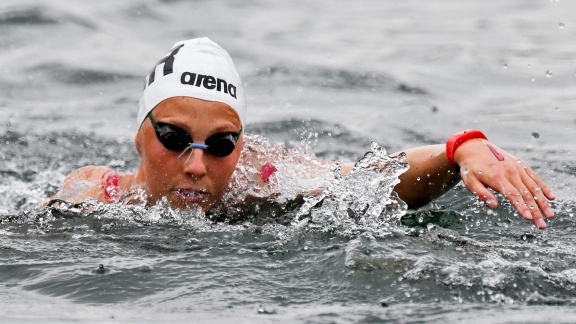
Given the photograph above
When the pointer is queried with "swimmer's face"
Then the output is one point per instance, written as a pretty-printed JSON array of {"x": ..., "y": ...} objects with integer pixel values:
[{"x": 197, "y": 177}]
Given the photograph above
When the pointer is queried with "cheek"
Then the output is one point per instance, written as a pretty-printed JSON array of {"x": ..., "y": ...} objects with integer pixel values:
[
  {"x": 221, "y": 171},
  {"x": 160, "y": 166},
  {"x": 232, "y": 161}
]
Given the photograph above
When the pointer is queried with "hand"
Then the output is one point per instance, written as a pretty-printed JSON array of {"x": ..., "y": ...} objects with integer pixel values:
[{"x": 484, "y": 165}]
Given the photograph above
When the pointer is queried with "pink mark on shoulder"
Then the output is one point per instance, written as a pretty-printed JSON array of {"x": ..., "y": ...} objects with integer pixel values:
[
  {"x": 110, "y": 183},
  {"x": 267, "y": 171}
]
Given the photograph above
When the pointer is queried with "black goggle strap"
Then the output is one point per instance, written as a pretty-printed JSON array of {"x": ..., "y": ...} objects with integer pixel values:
[{"x": 153, "y": 121}]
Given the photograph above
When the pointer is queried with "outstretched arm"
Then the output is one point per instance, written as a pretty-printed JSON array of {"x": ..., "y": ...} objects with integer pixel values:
[
  {"x": 430, "y": 175},
  {"x": 482, "y": 165}
]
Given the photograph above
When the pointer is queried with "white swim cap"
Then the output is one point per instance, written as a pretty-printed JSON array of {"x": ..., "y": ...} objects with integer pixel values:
[{"x": 197, "y": 68}]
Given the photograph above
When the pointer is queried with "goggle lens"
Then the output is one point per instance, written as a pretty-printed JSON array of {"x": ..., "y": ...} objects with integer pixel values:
[{"x": 176, "y": 139}]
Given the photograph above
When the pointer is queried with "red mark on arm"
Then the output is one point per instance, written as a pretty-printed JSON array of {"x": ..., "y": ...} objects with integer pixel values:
[
  {"x": 109, "y": 183},
  {"x": 499, "y": 156},
  {"x": 267, "y": 171}
]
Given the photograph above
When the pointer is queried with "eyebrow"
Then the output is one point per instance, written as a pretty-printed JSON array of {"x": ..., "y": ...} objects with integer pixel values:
[{"x": 222, "y": 127}]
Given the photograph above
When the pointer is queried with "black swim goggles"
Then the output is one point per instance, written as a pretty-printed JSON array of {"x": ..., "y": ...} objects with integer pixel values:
[{"x": 176, "y": 139}]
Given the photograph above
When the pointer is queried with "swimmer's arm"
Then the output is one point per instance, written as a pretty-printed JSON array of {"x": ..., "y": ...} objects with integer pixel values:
[
  {"x": 82, "y": 184},
  {"x": 483, "y": 165},
  {"x": 430, "y": 175}
]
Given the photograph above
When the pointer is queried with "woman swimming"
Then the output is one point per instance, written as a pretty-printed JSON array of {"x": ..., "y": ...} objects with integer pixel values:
[{"x": 192, "y": 116}]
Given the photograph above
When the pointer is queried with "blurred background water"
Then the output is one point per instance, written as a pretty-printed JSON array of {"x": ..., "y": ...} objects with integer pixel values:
[{"x": 342, "y": 73}]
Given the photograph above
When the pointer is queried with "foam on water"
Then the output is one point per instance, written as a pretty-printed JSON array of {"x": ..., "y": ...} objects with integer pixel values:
[{"x": 361, "y": 200}]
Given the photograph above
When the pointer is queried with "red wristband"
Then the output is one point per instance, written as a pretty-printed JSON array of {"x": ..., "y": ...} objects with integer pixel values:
[{"x": 458, "y": 139}]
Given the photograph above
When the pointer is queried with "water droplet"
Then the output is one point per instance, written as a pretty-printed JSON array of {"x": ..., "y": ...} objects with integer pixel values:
[
  {"x": 479, "y": 172},
  {"x": 418, "y": 179},
  {"x": 561, "y": 25},
  {"x": 537, "y": 188},
  {"x": 549, "y": 74},
  {"x": 531, "y": 207},
  {"x": 535, "y": 135},
  {"x": 465, "y": 171},
  {"x": 535, "y": 198},
  {"x": 557, "y": 109},
  {"x": 533, "y": 79},
  {"x": 505, "y": 66}
]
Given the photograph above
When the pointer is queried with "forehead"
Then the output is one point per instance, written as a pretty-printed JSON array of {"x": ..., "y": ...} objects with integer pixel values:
[{"x": 197, "y": 109}]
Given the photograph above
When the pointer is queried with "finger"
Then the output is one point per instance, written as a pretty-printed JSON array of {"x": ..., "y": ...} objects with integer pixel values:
[
  {"x": 523, "y": 201},
  {"x": 475, "y": 186},
  {"x": 540, "y": 183},
  {"x": 539, "y": 196},
  {"x": 514, "y": 196},
  {"x": 540, "y": 191}
]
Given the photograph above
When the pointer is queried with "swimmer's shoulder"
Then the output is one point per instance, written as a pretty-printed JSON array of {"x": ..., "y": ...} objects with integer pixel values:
[
  {"x": 84, "y": 183},
  {"x": 90, "y": 173}
]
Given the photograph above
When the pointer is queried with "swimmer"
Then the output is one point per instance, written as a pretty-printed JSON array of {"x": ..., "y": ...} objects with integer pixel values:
[{"x": 191, "y": 119}]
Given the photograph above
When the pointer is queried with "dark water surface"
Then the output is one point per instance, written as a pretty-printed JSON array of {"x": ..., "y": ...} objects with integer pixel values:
[{"x": 337, "y": 74}]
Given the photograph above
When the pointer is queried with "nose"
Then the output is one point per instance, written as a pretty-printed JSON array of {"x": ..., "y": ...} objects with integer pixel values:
[{"x": 194, "y": 163}]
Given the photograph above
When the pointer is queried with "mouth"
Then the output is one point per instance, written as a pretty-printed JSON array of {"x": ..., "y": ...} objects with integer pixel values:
[{"x": 190, "y": 196}]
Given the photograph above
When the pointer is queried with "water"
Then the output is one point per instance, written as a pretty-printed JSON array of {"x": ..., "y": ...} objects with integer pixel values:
[{"x": 334, "y": 74}]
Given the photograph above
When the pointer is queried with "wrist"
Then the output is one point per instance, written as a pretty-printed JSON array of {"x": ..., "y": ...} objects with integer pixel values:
[{"x": 458, "y": 139}]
